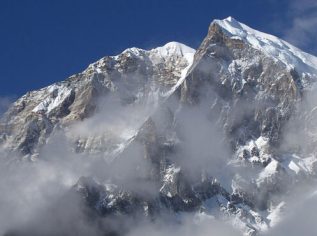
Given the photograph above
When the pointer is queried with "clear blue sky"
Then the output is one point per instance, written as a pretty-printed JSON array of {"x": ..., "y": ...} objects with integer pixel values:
[{"x": 43, "y": 41}]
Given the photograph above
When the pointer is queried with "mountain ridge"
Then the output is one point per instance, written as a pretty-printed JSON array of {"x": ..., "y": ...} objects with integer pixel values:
[{"x": 203, "y": 129}]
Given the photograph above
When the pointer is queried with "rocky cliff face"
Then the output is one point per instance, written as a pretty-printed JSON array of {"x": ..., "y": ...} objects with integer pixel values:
[
  {"x": 209, "y": 128},
  {"x": 134, "y": 78}
]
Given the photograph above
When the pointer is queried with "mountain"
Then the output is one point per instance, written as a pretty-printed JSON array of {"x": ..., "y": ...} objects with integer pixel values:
[
  {"x": 225, "y": 131},
  {"x": 135, "y": 77}
]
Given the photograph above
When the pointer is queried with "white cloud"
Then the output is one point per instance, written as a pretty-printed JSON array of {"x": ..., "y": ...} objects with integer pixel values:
[
  {"x": 5, "y": 103},
  {"x": 303, "y": 30}
]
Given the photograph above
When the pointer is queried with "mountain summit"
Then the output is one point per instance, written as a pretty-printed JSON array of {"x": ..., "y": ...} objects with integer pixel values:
[{"x": 223, "y": 132}]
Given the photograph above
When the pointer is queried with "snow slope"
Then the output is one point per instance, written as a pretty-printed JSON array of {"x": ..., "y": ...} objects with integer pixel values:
[{"x": 274, "y": 47}]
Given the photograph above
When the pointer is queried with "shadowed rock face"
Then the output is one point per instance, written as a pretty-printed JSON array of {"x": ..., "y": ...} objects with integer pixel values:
[
  {"x": 255, "y": 95},
  {"x": 210, "y": 132}
]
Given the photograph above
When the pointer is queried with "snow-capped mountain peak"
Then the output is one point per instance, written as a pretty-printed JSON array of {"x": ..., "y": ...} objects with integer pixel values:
[
  {"x": 174, "y": 48},
  {"x": 273, "y": 46},
  {"x": 171, "y": 49}
]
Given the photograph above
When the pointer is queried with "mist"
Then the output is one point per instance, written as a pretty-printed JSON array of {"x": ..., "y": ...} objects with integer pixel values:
[
  {"x": 38, "y": 197},
  {"x": 5, "y": 102}
]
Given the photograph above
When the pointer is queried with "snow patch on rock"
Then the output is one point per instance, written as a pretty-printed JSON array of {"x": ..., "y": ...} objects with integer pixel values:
[{"x": 56, "y": 96}]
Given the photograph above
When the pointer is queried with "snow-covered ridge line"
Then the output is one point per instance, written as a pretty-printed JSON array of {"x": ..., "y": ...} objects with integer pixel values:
[
  {"x": 273, "y": 46},
  {"x": 170, "y": 49},
  {"x": 158, "y": 55}
]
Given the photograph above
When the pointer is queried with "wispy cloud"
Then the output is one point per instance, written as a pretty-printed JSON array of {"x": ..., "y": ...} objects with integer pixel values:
[
  {"x": 303, "y": 30},
  {"x": 5, "y": 103}
]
